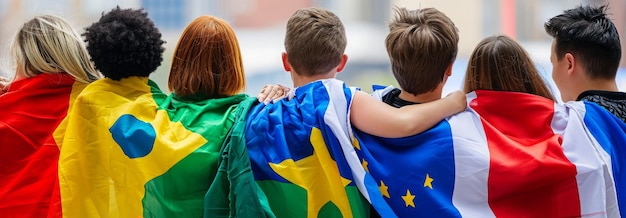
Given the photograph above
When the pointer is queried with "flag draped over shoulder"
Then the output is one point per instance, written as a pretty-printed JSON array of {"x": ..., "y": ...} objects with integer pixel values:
[
  {"x": 132, "y": 151},
  {"x": 509, "y": 155},
  {"x": 296, "y": 153},
  {"x": 31, "y": 110},
  {"x": 234, "y": 179}
]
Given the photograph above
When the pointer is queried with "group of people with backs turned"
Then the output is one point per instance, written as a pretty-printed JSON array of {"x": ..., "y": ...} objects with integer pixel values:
[{"x": 110, "y": 143}]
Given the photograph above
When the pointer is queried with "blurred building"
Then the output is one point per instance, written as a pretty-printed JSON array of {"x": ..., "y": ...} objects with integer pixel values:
[
  {"x": 259, "y": 25},
  {"x": 260, "y": 13},
  {"x": 521, "y": 19}
]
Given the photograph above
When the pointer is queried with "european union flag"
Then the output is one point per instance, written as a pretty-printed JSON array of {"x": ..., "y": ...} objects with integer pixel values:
[{"x": 414, "y": 174}]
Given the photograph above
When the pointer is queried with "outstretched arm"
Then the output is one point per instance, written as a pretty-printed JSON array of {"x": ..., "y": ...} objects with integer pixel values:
[{"x": 377, "y": 118}]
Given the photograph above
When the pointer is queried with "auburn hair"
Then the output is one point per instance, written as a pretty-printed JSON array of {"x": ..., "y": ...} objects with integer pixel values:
[{"x": 207, "y": 60}]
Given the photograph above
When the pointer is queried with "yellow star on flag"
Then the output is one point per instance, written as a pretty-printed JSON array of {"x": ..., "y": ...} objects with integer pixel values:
[
  {"x": 428, "y": 182},
  {"x": 355, "y": 143},
  {"x": 364, "y": 163},
  {"x": 319, "y": 175},
  {"x": 408, "y": 199},
  {"x": 384, "y": 189}
]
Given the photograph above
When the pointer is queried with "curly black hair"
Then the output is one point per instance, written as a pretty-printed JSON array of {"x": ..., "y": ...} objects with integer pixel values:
[{"x": 124, "y": 43}]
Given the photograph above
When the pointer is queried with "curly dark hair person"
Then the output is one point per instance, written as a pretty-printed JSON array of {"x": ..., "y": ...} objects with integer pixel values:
[{"x": 124, "y": 43}]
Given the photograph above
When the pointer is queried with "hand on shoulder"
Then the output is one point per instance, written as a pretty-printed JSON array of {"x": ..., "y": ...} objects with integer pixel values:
[
  {"x": 457, "y": 100},
  {"x": 273, "y": 93}
]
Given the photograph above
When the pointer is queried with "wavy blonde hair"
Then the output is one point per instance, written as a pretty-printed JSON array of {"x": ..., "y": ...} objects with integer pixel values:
[{"x": 49, "y": 44}]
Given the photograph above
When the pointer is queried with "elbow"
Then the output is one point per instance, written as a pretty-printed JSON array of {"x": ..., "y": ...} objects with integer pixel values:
[{"x": 412, "y": 128}]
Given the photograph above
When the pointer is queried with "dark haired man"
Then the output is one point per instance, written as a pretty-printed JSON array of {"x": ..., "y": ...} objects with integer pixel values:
[{"x": 585, "y": 56}]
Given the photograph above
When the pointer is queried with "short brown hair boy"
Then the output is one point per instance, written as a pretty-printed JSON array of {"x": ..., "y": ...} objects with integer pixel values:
[
  {"x": 315, "y": 41},
  {"x": 421, "y": 45}
]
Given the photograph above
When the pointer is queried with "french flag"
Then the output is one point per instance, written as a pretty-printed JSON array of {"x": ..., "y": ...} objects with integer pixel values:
[{"x": 508, "y": 155}]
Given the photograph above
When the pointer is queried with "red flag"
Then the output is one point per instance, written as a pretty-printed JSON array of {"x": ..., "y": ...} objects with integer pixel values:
[
  {"x": 32, "y": 109},
  {"x": 525, "y": 142}
]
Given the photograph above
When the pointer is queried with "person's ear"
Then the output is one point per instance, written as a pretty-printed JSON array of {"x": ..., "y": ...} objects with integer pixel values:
[
  {"x": 286, "y": 64},
  {"x": 446, "y": 74},
  {"x": 342, "y": 64},
  {"x": 571, "y": 61},
  {"x": 449, "y": 69}
]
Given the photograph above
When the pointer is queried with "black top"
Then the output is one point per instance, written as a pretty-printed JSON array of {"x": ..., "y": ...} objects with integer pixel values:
[
  {"x": 392, "y": 99},
  {"x": 614, "y": 102}
]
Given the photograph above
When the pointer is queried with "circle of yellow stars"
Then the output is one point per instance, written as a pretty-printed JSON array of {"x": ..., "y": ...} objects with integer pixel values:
[{"x": 408, "y": 198}]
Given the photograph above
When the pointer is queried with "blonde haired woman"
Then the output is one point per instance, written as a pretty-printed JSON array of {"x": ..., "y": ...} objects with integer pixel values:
[{"x": 52, "y": 65}]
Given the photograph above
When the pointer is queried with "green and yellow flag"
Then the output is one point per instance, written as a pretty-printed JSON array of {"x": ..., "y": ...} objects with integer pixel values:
[
  {"x": 132, "y": 151},
  {"x": 296, "y": 149}
]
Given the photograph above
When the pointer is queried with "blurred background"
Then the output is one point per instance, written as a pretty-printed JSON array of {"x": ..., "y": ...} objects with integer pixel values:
[{"x": 260, "y": 26}]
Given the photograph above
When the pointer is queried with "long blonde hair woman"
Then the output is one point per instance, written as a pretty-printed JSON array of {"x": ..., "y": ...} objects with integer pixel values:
[
  {"x": 52, "y": 65},
  {"x": 49, "y": 44}
]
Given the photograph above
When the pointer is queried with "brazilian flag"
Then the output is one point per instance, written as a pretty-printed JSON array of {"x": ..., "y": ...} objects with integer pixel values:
[
  {"x": 295, "y": 148},
  {"x": 130, "y": 150}
]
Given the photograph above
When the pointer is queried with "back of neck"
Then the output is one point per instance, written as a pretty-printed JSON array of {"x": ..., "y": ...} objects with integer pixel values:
[
  {"x": 300, "y": 80},
  {"x": 421, "y": 98},
  {"x": 603, "y": 85}
]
